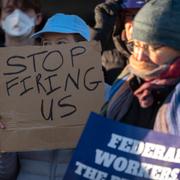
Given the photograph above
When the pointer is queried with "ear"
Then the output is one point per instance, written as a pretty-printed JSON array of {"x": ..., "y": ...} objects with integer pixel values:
[
  {"x": 128, "y": 30},
  {"x": 123, "y": 35},
  {"x": 39, "y": 19}
]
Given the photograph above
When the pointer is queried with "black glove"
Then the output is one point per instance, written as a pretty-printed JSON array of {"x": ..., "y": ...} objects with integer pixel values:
[
  {"x": 105, "y": 18},
  {"x": 106, "y": 13}
]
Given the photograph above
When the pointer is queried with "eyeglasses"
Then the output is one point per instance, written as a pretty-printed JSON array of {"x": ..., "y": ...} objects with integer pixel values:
[{"x": 146, "y": 47}]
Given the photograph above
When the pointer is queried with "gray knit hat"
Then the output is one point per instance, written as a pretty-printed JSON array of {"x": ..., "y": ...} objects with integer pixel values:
[{"x": 158, "y": 22}]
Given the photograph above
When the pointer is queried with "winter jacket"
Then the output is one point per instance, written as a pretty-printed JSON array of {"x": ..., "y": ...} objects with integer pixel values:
[
  {"x": 34, "y": 165},
  {"x": 162, "y": 116}
]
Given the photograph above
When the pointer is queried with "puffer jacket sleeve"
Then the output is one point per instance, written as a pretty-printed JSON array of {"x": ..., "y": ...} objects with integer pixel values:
[
  {"x": 173, "y": 112},
  {"x": 168, "y": 116},
  {"x": 8, "y": 166}
]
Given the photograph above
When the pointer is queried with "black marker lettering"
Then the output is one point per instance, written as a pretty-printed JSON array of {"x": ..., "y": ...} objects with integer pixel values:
[
  {"x": 76, "y": 51},
  {"x": 52, "y": 89},
  {"x": 39, "y": 84},
  {"x": 34, "y": 58},
  {"x": 46, "y": 65},
  {"x": 66, "y": 105},
  {"x": 94, "y": 83},
  {"x": 24, "y": 85},
  {"x": 18, "y": 67},
  {"x": 8, "y": 87},
  {"x": 50, "y": 115},
  {"x": 75, "y": 82}
]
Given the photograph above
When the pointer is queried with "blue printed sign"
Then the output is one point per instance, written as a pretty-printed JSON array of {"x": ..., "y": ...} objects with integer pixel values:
[{"x": 109, "y": 150}]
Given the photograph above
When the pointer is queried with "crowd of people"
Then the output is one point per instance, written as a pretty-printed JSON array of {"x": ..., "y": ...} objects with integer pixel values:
[{"x": 140, "y": 59}]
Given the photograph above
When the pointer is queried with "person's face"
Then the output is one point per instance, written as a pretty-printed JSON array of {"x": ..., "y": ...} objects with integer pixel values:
[
  {"x": 57, "y": 38},
  {"x": 157, "y": 54},
  {"x": 128, "y": 23},
  {"x": 129, "y": 15},
  {"x": 9, "y": 6}
]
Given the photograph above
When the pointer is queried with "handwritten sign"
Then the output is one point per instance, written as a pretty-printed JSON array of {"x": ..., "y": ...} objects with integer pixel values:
[
  {"x": 48, "y": 92},
  {"x": 109, "y": 150}
]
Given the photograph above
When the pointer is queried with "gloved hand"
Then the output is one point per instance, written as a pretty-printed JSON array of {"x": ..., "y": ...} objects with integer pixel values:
[
  {"x": 106, "y": 13},
  {"x": 105, "y": 18}
]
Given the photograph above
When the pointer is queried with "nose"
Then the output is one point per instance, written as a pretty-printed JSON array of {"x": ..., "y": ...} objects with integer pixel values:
[
  {"x": 16, "y": 18},
  {"x": 141, "y": 54}
]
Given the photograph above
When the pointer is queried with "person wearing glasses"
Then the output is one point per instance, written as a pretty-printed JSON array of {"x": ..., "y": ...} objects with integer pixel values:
[
  {"x": 62, "y": 29},
  {"x": 113, "y": 27},
  {"x": 147, "y": 92}
]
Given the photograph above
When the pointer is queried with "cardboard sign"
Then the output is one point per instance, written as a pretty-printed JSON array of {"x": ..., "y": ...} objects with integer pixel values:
[
  {"x": 109, "y": 150},
  {"x": 46, "y": 94}
]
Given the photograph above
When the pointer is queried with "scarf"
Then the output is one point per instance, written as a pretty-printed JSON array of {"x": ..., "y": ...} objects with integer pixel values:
[{"x": 158, "y": 76}]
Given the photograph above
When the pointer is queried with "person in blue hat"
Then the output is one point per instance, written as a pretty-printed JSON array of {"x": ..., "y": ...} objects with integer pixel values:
[
  {"x": 63, "y": 28},
  {"x": 47, "y": 164}
]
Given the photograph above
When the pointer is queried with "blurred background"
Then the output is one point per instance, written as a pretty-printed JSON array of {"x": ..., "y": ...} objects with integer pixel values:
[{"x": 83, "y": 8}]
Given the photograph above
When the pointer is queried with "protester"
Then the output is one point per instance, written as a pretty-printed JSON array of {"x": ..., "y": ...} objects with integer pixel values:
[
  {"x": 147, "y": 92},
  {"x": 19, "y": 20},
  {"x": 62, "y": 29},
  {"x": 113, "y": 28},
  {"x": 47, "y": 164}
]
